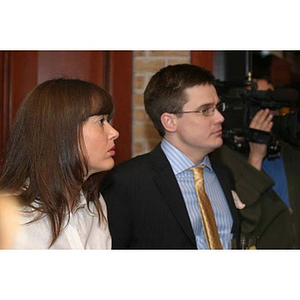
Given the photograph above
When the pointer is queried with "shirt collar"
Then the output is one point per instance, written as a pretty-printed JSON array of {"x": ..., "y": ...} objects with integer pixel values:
[
  {"x": 81, "y": 203},
  {"x": 178, "y": 160}
]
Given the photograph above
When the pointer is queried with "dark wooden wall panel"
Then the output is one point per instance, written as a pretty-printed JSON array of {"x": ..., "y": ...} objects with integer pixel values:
[
  {"x": 120, "y": 86},
  {"x": 86, "y": 65},
  {"x": 22, "y": 79},
  {"x": 18, "y": 77},
  {"x": 203, "y": 59}
]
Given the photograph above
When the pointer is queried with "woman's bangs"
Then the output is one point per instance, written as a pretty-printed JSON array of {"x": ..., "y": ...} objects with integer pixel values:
[{"x": 102, "y": 105}]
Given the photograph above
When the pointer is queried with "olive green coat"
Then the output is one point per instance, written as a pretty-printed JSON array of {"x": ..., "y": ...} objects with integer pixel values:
[{"x": 266, "y": 220}]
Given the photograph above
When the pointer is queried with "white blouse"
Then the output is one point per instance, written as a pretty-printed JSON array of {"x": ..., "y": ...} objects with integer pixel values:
[{"x": 80, "y": 231}]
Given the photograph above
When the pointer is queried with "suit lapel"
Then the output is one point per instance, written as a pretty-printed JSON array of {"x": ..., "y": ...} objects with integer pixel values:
[{"x": 168, "y": 186}]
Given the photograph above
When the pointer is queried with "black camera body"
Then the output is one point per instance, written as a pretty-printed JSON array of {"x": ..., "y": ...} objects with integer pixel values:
[{"x": 241, "y": 106}]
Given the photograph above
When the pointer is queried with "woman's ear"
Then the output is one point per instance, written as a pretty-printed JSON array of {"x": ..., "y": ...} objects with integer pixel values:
[{"x": 169, "y": 121}]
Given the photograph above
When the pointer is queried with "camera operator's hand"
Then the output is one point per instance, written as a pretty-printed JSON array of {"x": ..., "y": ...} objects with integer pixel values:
[{"x": 261, "y": 121}]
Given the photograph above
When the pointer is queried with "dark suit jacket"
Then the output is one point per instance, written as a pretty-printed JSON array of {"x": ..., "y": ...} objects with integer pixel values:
[{"x": 146, "y": 209}]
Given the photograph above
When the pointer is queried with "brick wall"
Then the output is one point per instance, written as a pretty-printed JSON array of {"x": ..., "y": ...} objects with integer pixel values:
[{"x": 145, "y": 64}]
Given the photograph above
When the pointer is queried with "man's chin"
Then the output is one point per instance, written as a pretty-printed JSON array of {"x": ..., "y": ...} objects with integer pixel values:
[{"x": 219, "y": 143}]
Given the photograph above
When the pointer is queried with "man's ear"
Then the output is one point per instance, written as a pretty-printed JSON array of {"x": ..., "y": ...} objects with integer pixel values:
[{"x": 169, "y": 121}]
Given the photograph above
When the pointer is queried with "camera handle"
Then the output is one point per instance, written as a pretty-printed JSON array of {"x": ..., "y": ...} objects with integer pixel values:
[
  {"x": 264, "y": 137},
  {"x": 258, "y": 136}
]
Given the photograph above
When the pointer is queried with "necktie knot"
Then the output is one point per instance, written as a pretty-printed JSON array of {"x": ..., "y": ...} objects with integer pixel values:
[
  {"x": 198, "y": 174},
  {"x": 198, "y": 171}
]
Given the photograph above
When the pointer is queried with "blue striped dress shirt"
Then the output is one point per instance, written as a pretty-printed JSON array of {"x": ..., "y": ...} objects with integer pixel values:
[{"x": 181, "y": 165}]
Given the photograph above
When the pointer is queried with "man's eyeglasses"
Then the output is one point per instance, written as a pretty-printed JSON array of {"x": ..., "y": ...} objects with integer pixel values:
[{"x": 207, "y": 111}]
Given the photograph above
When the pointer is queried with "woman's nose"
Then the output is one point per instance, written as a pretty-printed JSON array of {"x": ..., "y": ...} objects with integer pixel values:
[{"x": 114, "y": 133}]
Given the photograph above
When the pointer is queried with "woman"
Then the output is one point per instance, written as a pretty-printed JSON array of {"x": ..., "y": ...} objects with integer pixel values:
[{"x": 59, "y": 143}]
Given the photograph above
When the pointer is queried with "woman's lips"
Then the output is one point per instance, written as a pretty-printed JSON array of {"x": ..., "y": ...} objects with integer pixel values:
[{"x": 112, "y": 151}]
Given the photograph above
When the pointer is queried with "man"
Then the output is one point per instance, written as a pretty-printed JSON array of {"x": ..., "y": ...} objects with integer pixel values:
[
  {"x": 152, "y": 201},
  {"x": 268, "y": 187}
]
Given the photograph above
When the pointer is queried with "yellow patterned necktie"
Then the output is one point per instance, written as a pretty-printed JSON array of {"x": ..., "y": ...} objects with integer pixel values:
[{"x": 207, "y": 216}]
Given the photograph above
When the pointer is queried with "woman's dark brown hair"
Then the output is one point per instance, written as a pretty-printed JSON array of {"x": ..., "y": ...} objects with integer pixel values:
[{"x": 44, "y": 159}]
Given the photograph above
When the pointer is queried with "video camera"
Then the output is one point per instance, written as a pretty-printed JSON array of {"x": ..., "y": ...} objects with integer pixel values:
[{"x": 243, "y": 101}]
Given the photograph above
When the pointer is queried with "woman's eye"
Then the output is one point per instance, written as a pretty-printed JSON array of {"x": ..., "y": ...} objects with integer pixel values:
[{"x": 102, "y": 121}]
